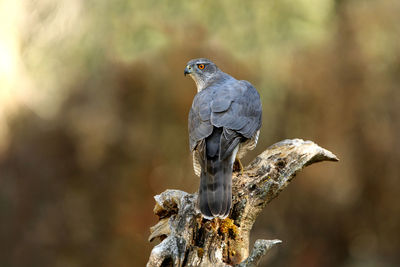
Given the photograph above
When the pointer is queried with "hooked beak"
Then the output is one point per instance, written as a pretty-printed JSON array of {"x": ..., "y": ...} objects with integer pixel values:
[{"x": 188, "y": 70}]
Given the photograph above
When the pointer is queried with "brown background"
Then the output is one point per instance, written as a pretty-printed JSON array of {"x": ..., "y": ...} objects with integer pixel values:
[{"x": 93, "y": 123}]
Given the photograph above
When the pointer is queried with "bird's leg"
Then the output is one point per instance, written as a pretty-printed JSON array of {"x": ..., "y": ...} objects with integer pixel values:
[{"x": 237, "y": 166}]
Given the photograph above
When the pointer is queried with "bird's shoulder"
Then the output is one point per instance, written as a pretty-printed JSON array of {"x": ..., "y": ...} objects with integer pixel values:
[
  {"x": 248, "y": 87},
  {"x": 219, "y": 95}
]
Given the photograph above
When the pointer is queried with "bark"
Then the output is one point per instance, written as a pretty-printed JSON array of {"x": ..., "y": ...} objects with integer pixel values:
[{"x": 189, "y": 240}]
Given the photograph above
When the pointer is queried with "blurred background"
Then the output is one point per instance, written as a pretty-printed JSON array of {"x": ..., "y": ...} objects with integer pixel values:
[{"x": 93, "y": 123}]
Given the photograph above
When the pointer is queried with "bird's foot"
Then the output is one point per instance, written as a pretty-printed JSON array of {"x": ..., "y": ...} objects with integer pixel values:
[{"x": 237, "y": 166}]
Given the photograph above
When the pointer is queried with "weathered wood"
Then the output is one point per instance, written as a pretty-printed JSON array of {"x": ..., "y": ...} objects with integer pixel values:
[{"x": 189, "y": 240}]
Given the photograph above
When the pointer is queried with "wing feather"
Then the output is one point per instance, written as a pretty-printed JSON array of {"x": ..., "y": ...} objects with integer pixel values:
[
  {"x": 244, "y": 113},
  {"x": 233, "y": 105}
]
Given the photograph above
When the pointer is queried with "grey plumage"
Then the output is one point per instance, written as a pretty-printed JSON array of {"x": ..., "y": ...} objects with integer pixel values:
[{"x": 224, "y": 122}]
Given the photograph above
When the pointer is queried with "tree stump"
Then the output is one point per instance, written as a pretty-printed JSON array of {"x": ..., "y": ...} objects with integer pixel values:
[{"x": 187, "y": 239}]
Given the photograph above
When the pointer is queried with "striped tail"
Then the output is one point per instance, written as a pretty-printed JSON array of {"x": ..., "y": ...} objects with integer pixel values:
[{"x": 215, "y": 193}]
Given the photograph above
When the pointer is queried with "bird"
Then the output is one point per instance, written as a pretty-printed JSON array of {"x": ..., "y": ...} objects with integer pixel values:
[{"x": 224, "y": 123}]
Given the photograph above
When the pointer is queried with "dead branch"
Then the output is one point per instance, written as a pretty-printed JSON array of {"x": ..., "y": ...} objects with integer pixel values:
[{"x": 189, "y": 240}]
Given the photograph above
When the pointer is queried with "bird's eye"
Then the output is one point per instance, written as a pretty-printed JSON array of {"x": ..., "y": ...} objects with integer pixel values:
[{"x": 200, "y": 66}]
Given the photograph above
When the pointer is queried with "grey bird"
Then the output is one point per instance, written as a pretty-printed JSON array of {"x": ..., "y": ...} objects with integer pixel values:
[{"x": 224, "y": 123}]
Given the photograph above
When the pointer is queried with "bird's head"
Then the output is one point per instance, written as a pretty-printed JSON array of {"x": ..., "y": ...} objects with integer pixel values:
[{"x": 203, "y": 71}]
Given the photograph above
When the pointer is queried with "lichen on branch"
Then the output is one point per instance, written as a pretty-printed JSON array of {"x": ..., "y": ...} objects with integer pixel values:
[{"x": 187, "y": 239}]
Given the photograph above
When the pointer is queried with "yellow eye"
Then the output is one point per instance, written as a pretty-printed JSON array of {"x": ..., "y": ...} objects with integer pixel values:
[{"x": 200, "y": 66}]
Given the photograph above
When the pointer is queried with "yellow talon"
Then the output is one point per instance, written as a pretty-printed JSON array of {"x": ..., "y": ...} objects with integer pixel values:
[{"x": 238, "y": 166}]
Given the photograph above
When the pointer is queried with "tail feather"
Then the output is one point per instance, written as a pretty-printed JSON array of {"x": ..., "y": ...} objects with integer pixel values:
[
  {"x": 203, "y": 199},
  {"x": 227, "y": 203},
  {"x": 216, "y": 189},
  {"x": 217, "y": 154}
]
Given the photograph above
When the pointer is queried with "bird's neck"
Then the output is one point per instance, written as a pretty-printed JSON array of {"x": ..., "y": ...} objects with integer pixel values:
[{"x": 201, "y": 84}]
